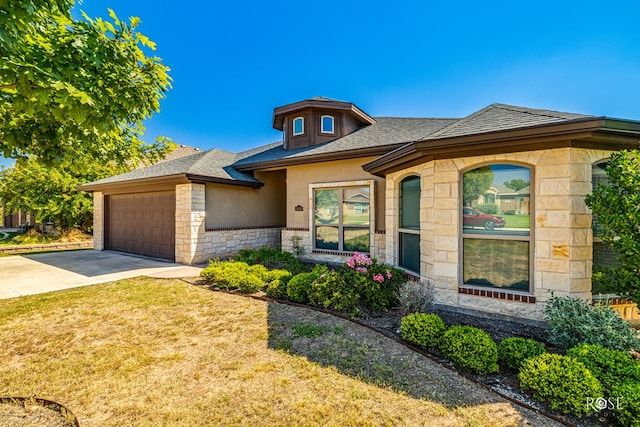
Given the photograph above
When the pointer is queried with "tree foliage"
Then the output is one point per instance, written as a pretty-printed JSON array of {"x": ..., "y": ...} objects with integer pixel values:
[
  {"x": 617, "y": 208},
  {"x": 75, "y": 88},
  {"x": 475, "y": 183},
  {"x": 516, "y": 184},
  {"x": 50, "y": 193}
]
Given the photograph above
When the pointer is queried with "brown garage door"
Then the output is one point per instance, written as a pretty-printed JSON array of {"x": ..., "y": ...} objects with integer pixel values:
[{"x": 142, "y": 224}]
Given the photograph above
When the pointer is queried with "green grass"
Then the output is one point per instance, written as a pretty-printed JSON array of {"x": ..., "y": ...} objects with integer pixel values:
[
  {"x": 152, "y": 352},
  {"x": 516, "y": 221}
]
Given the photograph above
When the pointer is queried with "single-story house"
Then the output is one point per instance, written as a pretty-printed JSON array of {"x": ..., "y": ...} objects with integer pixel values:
[{"x": 343, "y": 181}]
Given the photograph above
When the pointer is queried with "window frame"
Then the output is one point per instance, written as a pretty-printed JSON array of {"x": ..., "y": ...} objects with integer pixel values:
[
  {"x": 412, "y": 231},
  {"x": 341, "y": 226},
  {"x": 530, "y": 238},
  {"x": 333, "y": 124},
  {"x": 293, "y": 127}
]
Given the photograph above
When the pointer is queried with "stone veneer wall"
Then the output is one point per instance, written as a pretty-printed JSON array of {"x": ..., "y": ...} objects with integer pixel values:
[
  {"x": 560, "y": 228},
  {"x": 190, "y": 215},
  {"x": 225, "y": 243},
  {"x": 98, "y": 221}
]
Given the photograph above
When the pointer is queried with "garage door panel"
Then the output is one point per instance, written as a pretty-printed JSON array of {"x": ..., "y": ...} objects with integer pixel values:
[{"x": 143, "y": 224}]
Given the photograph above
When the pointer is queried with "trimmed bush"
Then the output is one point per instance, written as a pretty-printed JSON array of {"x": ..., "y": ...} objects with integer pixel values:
[
  {"x": 331, "y": 290},
  {"x": 299, "y": 286},
  {"x": 235, "y": 275},
  {"x": 470, "y": 348},
  {"x": 563, "y": 382},
  {"x": 574, "y": 321},
  {"x": 611, "y": 367},
  {"x": 277, "y": 289},
  {"x": 273, "y": 258},
  {"x": 422, "y": 329},
  {"x": 513, "y": 351},
  {"x": 627, "y": 394}
]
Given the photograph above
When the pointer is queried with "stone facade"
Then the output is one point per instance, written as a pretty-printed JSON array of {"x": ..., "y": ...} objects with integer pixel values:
[
  {"x": 225, "y": 243},
  {"x": 560, "y": 228},
  {"x": 98, "y": 221},
  {"x": 190, "y": 216}
]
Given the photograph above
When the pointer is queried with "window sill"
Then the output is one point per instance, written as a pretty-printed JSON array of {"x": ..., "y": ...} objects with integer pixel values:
[
  {"x": 338, "y": 253},
  {"x": 497, "y": 294}
]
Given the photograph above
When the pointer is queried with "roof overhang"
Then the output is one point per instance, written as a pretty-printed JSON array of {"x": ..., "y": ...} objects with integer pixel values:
[
  {"x": 163, "y": 181},
  {"x": 317, "y": 158},
  {"x": 595, "y": 133},
  {"x": 279, "y": 113}
]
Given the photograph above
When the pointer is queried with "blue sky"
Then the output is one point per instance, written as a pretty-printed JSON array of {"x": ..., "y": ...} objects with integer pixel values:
[{"x": 233, "y": 62}]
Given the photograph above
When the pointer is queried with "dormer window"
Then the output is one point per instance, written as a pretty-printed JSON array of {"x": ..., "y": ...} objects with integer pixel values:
[
  {"x": 298, "y": 126},
  {"x": 326, "y": 124}
]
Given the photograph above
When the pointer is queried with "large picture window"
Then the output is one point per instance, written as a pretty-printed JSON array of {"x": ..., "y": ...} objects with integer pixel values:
[
  {"x": 342, "y": 218},
  {"x": 496, "y": 243},
  {"x": 409, "y": 229}
]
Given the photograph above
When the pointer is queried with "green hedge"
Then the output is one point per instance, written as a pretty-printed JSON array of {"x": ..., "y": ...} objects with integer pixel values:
[
  {"x": 422, "y": 329},
  {"x": 470, "y": 348}
]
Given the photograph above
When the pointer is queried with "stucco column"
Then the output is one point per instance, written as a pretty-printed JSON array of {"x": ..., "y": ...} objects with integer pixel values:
[
  {"x": 98, "y": 221},
  {"x": 190, "y": 222}
]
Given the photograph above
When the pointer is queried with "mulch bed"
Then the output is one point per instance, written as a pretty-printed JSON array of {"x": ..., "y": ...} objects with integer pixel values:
[{"x": 33, "y": 412}]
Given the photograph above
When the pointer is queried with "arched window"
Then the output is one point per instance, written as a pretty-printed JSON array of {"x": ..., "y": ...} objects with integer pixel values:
[
  {"x": 298, "y": 126},
  {"x": 409, "y": 227},
  {"x": 496, "y": 243},
  {"x": 326, "y": 124}
]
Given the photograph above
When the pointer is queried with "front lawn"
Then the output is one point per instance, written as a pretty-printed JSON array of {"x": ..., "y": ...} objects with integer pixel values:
[{"x": 163, "y": 352}]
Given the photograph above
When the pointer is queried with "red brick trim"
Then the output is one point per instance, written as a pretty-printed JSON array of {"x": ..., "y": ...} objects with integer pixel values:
[
  {"x": 295, "y": 229},
  {"x": 497, "y": 295},
  {"x": 269, "y": 227},
  {"x": 324, "y": 252}
]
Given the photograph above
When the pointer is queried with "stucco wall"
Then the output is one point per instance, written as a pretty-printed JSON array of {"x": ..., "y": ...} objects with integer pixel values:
[
  {"x": 560, "y": 227},
  {"x": 235, "y": 206},
  {"x": 300, "y": 177}
]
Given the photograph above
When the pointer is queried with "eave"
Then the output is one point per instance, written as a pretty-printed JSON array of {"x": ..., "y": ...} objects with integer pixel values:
[
  {"x": 171, "y": 180},
  {"x": 596, "y": 133},
  {"x": 317, "y": 158}
]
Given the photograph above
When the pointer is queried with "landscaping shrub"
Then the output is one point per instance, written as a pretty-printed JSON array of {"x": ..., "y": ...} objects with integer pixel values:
[
  {"x": 276, "y": 289},
  {"x": 415, "y": 297},
  {"x": 611, "y": 367},
  {"x": 626, "y": 408},
  {"x": 470, "y": 348},
  {"x": 573, "y": 321},
  {"x": 513, "y": 351},
  {"x": 299, "y": 286},
  {"x": 509, "y": 212},
  {"x": 376, "y": 284},
  {"x": 422, "y": 329},
  {"x": 563, "y": 382},
  {"x": 488, "y": 208},
  {"x": 272, "y": 258},
  {"x": 331, "y": 290},
  {"x": 235, "y": 275}
]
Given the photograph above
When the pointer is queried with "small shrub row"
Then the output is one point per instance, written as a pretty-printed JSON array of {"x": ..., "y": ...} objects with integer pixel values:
[
  {"x": 466, "y": 346},
  {"x": 238, "y": 275}
]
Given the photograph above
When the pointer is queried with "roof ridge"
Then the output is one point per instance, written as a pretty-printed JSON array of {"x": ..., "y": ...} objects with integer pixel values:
[{"x": 537, "y": 111}]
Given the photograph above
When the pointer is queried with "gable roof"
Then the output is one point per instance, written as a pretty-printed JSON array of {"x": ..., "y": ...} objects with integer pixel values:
[
  {"x": 386, "y": 134},
  {"x": 499, "y": 117},
  {"x": 501, "y": 128}
]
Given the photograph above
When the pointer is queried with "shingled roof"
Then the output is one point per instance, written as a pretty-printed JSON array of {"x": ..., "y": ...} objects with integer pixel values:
[
  {"x": 383, "y": 136},
  {"x": 498, "y": 117}
]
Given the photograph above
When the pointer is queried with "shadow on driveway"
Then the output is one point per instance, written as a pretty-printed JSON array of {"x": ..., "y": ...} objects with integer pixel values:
[{"x": 38, "y": 273}]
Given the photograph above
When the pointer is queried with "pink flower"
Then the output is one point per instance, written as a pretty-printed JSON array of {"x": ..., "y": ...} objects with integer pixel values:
[
  {"x": 361, "y": 270},
  {"x": 389, "y": 274},
  {"x": 378, "y": 278}
]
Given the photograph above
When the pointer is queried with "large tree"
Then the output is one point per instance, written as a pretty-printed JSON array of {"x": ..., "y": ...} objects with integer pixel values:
[
  {"x": 616, "y": 205},
  {"x": 75, "y": 88},
  {"x": 475, "y": 183}
]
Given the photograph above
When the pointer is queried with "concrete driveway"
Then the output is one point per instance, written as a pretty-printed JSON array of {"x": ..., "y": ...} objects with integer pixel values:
[{"x": 39, "y": 273}]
